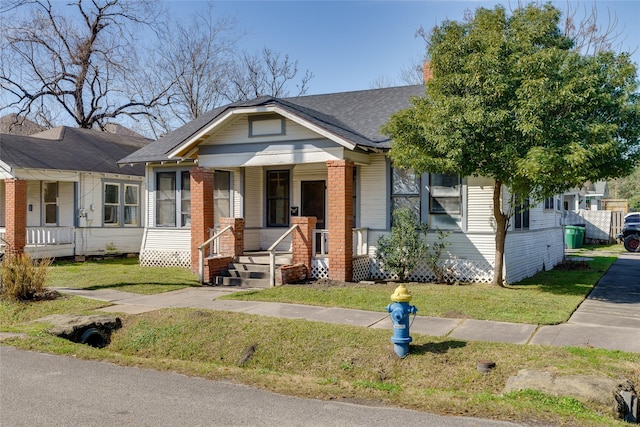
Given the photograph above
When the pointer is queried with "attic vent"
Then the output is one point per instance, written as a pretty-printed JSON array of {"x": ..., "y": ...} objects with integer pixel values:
[{"x": 266, "y": 125}]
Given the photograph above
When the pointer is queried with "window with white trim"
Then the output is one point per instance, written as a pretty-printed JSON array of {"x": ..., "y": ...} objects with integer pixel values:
[
  {"x": 131, "y": 204},
  {"x": 121, "y": 206},
  {"x": 173, "y": 198},
  {"x": 405, "y": 190},
  {"x": 111, "y": 215},
  {"x": 549, "y": 203},
  {"x": 521, "y": 216},
  {"x": 221, "y": 196},
  {"x": 445, "y": 202}
]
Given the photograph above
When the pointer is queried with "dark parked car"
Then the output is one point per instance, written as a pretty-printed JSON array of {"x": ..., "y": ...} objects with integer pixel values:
[{"x": 630, "y": 235}]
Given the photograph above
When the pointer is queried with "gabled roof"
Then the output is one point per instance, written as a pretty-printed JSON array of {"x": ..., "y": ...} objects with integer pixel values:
[
  {"x": 352, "y": 117},
  {"x": 71, "y": 149}
]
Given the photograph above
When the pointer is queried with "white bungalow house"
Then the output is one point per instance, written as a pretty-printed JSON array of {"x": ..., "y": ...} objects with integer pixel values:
[
  {"x": 63, "y": 193},
  {"x": 314, "y": 171}
]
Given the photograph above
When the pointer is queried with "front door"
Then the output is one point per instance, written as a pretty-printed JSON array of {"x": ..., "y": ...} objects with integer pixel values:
[{"x": 313, "y": 203}]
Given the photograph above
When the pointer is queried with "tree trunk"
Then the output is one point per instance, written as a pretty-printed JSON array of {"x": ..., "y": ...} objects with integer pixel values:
[{"x": 501, "y": 233}]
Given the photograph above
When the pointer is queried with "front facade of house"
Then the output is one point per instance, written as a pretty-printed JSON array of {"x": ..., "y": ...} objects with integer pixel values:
[
  {"x": 273, "y": 163},
  {"x": 62, "y": 194}
]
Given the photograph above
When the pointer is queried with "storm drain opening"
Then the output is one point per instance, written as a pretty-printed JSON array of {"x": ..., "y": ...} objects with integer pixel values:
[{"x": 95, "y": 337}]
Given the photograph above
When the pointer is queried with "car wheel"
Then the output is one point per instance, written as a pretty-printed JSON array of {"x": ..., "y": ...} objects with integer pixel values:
[{"x": 632, "y": 243}]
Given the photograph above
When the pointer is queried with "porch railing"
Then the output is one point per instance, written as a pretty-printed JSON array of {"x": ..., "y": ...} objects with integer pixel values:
[
  {"x": 320, "y": 250},
  {"x": 213, "y": 243},
  {"x": 321, "y": 242},
  {"x": 45, "y": 236},
  {"x": 272, "y": 254}
]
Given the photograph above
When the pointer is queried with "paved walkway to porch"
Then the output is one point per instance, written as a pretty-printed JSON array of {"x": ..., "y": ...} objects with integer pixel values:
[{"x": 609, "y": 318}]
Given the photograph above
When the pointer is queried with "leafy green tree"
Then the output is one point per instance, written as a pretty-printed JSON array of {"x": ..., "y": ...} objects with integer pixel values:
[
  {"x": 627, "y": 187},
  {"x": 513, "y": 100},
  {"x": 406, "y": 245}
]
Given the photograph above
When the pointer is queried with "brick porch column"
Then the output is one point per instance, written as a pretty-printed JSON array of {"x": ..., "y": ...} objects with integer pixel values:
[
  {"x": 232, "y": 243},
  {"x": 15, "y": 215},
  {"x": 340, "y": 219},
  {"x": 201, "y": 210},
  {"x": 302, "y": 240}
]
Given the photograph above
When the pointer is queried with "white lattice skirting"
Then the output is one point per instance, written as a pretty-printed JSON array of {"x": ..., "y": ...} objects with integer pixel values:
[
  {"x": 320, "y": 268},
  {"x": 458, "y": 270},
  {"x": 153, "y": 258},
  {"x": 366, "y": 268},
  {"x": 361, "y": 270}
]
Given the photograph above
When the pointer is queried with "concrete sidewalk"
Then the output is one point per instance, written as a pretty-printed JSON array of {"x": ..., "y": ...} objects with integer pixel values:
[{"x": 609, "y": 318}]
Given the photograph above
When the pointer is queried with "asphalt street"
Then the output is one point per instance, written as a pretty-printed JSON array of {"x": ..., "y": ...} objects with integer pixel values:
[{"x": 46, "y": 390}]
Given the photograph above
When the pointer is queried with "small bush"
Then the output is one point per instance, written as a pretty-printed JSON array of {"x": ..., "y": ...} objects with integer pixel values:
[
  {"x": 405, "y": 247},
  {"x": 23, "y": 278}
]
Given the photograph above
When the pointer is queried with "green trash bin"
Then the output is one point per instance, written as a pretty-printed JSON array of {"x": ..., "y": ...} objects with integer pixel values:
[{"x": 573, "y": 236}]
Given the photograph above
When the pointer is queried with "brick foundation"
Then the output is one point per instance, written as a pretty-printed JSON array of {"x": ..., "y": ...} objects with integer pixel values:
[{"x": 340, "y": 219}]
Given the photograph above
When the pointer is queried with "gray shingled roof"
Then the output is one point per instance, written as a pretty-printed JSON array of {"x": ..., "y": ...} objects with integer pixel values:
[
  {"x": 354, "y": 116},
  {"x": 71, "y": 149}
]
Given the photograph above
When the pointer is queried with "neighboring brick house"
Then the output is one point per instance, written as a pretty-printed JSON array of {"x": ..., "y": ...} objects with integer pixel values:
[
  {"x": 62, "y": 193},
  {"x": 320, "y": 162}
]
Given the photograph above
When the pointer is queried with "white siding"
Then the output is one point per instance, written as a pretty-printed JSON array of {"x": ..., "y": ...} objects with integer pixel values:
[
  {"x": 150, "y": 188},
  {"x": 529, "y": 252},
  {"x": 90, "y": 200},
  {"x": 253, "y": 207},
  {"x": 373, "y": 193},
  {"x": 101, "y": 241},
  {"x": 66, "y": 205},
  {"x": 479, "y": 209},
  {"x": 237, "y": 132},
  {"x": 238, "y": 198},
  {"x": 35, "y": 200}
]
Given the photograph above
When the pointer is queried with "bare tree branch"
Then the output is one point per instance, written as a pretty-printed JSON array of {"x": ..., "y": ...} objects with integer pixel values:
[{"x": 78, "y": 62}]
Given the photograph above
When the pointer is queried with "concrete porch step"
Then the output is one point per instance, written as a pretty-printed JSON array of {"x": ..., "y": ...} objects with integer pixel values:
[
  {"x": 251, "y": 270},
  {"x": 241, "y": 282},
  {"x": 262, "y": 257}
]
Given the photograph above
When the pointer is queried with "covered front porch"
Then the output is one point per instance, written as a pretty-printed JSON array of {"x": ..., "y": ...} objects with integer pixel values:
[{"x": 325, "y": 243}]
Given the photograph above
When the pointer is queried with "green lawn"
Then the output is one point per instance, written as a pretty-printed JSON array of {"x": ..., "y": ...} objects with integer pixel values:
[
  {"x": 327, "y": 361},
  {"x": 548, "y": 298},
  {"x": 124, "y": 274}
]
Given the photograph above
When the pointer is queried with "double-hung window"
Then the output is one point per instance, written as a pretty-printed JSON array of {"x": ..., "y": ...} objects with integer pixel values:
[
  {"x": 50, "y": 200},
  {"x": 121, "y": 204},
  {"x": 405, "y": 190},
  {"x": 221, "y": 196},
  {"x": 445, "y": 203},
  {"x": 173, "y": 199},
  {"x": 521, "y": 215},
  {"x": 435, "y": 198},
  {"x": 549, "y": 203}
]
